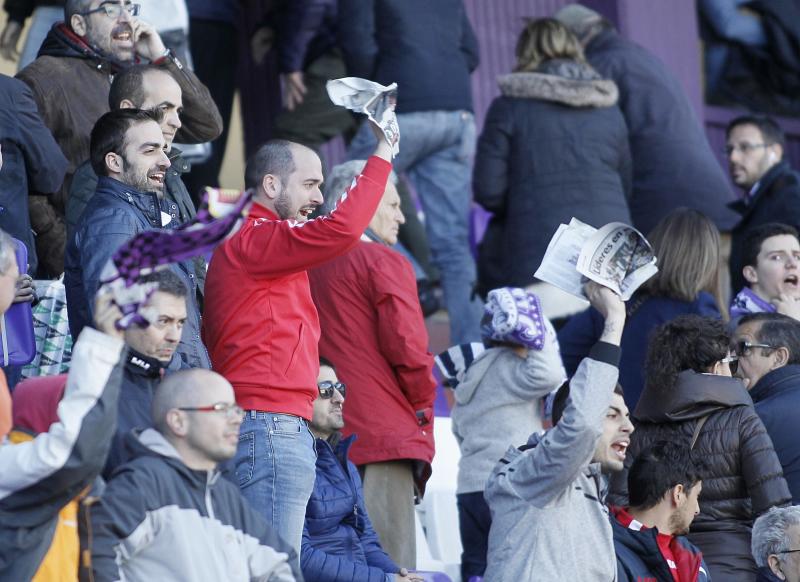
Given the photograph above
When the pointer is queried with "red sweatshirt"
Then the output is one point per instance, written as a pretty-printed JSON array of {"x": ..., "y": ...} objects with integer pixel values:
[{"x": 259, "y": 323}]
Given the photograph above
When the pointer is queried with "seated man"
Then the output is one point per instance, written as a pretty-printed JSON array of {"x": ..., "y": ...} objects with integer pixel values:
[
  {"x": 776, "y": 545},
  {"x": 339, "y": 543},
  {"x": 663, "y": 485},
  {"x": 167, "y": 515},
  {"x": 549, "y": 518},
  {"x": 768, "y": 347},
  {"x": 771, "y": 258}
]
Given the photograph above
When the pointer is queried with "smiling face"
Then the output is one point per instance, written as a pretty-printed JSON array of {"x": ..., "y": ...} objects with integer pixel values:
[
  {"x": 750, "y": 157},
  {"x": 613, "y": 444},
  {"x": 298, "y": 195},
  {"x": 777, "y": 268},
  {"x": 143, "y": 163},
  {"x": 388, "y": 217},
  {"x": 162, "y": 92},
  {"x": 112, "y": 36}
]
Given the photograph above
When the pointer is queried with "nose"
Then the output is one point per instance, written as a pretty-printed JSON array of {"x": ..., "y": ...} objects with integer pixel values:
[
  {"x": 734, "y": 154},
  {"x": 316, "y": 196},
  {"x": 174, "y": 334},
  {"x": 627, "y": 426},
  {"x": 337, "y": 396},
  {"x": 401, "y": 218},
  {"x": 124, "y": 15},
  {"x": 174, "y": 120},
  {"x": 163, "y": 160}
]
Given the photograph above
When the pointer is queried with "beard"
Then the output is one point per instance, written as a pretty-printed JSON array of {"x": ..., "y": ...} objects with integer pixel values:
[
  {"x": 678, "y": 524},
  {"x": 283, "y": 206},
  {"x": 138, "y": 179}
]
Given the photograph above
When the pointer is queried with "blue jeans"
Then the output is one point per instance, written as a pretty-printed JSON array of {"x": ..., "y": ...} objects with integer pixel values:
[
  {"x": 436, "y": 151},
  {"x": 276, "y": 467}
]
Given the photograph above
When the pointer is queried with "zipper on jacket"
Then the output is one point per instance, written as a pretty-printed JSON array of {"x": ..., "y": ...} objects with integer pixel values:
[{"x": 209, "y": 505}]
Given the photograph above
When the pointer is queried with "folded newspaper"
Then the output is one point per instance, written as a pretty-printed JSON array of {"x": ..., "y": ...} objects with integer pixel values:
[
  {"x": 372, "y": 99},
  {"x": 616, "y": 255}
]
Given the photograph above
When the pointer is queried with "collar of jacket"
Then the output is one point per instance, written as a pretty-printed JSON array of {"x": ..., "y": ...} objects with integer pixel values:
[
  {"x": 338, "y": 447},
  {"x": 766, "y": 575},
  {"x": 146, "y": 202},
  {"x": 142, "y": 365},
  {"x": 61, "y": 41},
  {"x": 745, "y": 206},
  {"x": 560, "y": 81},
  {"x": 778, "y": 381},
  {"x": 694, "y": 395},
  {"x": 150, "y": 442},
  {"x": 178, "y": 163},
  {"x": 259, "y": 212}
]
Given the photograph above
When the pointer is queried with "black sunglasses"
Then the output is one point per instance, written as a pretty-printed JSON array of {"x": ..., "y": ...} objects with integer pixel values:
[
  {"x": 327, "y": 387},
  {"x": 733, "y": 363},
  {"x": 743, "y": 347}
]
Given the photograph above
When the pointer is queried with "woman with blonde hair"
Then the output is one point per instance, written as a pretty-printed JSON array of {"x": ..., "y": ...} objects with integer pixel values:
[
  {"x": 554, "y": 145},
  {"x": 686, "y": 243}
]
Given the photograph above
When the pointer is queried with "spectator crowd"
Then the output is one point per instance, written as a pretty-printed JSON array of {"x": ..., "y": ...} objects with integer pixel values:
[{"x": 267, "y": 413}]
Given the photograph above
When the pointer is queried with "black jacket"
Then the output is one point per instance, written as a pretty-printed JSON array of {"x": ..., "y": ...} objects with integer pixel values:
[
  {"x": 31, "y": 160},
  {"x": 777, "y": 199},
  {"x": 743, "y": 478},
  {"x": 673, "y": 164},
  {"x": 553, "y": 146},
  {"x": 777, "y": 400},
  {"x": 428, "y": 48}
]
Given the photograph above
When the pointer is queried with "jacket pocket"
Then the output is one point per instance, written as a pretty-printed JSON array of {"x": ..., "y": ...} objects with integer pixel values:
[{"x": 246, "y": 462}]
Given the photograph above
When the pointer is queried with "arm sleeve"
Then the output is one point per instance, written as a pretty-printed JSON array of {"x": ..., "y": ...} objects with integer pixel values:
[
  {"x": 275, "y": 248},
  {"x": 81, "y": 190},
  {"x": 469, "y": 43},
  {"x": 490, "y": 179},
  {"x": 356, "y": 23},
  {"x": 544, "y": 472},
  {"x": 402, "y": 336},
  {"x": 55, "y": 466},
  {"x": 45, "y": 164},
  {"x": 761, "y": 468},
  {"x": 269, "y": 557},
  {"x": 201, "y": 120},
  {"x": 577, "y": 337},
  {"x": 322, "y": 566},
  {"x": 727, "y": 20},
  {"x": 300, "y": 24},
  {"x": 541, "y": 371}
]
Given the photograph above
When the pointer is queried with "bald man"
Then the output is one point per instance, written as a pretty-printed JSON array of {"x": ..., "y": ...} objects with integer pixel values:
[{"x": 167, "y": 515}]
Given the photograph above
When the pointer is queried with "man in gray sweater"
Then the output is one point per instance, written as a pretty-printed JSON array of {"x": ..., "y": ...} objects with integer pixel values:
[{"x": 549, "y": 518}]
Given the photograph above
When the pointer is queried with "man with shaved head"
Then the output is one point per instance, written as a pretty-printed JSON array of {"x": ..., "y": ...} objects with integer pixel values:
[{"x": 167, "y": 514}]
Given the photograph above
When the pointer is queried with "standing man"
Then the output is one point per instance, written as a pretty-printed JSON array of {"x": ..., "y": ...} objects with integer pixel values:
[
  {"x": 430, "y": 50},
  {"x": 70, "y": 81},
  {"x": 754, "y": 145},
  {"x": 261, "y": 326},
  {"x": 128, "y": 153}
]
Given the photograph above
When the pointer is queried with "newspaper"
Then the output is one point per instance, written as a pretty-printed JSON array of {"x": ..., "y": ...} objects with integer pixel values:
[
  {"x": 376, "y": 101},
  {"x": 616, "y": 255}
]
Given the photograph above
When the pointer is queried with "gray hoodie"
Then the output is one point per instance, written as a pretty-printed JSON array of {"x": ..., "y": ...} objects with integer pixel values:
[
  {"x": 498, "y": 405},
  {"x": 549, "y": 519}
]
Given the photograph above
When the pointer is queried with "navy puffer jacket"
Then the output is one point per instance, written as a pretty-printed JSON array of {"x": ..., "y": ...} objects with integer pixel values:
[{"x": 339, "y": 544}]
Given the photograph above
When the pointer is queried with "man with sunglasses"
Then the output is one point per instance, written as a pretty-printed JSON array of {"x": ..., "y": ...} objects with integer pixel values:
[
  {"x": 167, "y": 514},
  {"x": 776, "y": 545},
  {"x": 339, "y": 542},
  {"x": 71, "y": 79},
  {"x": 768, "y": 347}
]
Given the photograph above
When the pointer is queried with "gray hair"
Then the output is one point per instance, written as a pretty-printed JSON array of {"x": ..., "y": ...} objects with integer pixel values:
[
  {"x": 8, "y": 250},
  {"x": 339, "y": 181},
  {"x": 770, "y": 533}
]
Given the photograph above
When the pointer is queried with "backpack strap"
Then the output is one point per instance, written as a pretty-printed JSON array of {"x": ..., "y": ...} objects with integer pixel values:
[{"x": 697, "y": 428}]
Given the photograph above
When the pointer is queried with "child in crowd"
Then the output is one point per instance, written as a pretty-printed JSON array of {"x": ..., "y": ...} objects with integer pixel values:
[{"x": 498, "y": 402}]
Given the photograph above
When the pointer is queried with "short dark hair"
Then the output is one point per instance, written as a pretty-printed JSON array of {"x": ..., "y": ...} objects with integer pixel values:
[
  {"x": 168, "y": 282},
  {"x": 561, "y": 397},
  {"x": 129, "y": 84},
  {"x": 660, "y": 467},
  {"x": 108, "y": 134},
  {"x": 75, "y": 7},
  {"x": 274, "y": 157},
  {"x": 777, "y": 330},
  {"x": 771, "y": 132},
  {"x": 325, "y": 362},
  {"x": 755, "y": 237},
  {"x": 688, "y": 342}
]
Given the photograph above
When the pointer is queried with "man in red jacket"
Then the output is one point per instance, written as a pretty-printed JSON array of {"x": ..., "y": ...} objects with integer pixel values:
[{"x": 261, "y": 327}]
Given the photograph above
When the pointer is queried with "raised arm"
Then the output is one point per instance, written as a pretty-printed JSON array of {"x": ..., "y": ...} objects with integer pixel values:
[{"x": 201, "y": 119}]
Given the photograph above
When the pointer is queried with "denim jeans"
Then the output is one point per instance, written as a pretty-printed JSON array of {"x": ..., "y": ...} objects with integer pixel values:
[
  {"x": 436, "y": 151},
  {"x": 276, "y": 467}
]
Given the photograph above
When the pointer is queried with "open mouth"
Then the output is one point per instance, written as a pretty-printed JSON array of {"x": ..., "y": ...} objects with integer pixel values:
[
  {"x": 620, "y": 448},
  {"x": 122, "y": 34},
  {"x": 791, "y": 280},
  {"x": 305, "y": 212},
  {"x": 156, "y": 177}
]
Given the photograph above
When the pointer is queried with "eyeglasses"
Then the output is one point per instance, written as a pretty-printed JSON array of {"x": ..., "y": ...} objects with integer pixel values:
[
  {"x": 744, "y": 347},
  {"x": 231, "y": 411},
  {"x": 114, "y": 9},
  {"x": 732, "y": 361},
  {"x": 745, "y": 148},
  {"x": 327, "y": 387},
  {"x": 787, "y": 552}
]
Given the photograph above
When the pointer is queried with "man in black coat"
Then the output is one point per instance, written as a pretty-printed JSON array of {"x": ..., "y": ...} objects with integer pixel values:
[
  {"x": 31, "y": 160},
  {"x": 768, "y": 346},
  {"x": 673, "y": 165},
  {"x": 754, "y": 145}
]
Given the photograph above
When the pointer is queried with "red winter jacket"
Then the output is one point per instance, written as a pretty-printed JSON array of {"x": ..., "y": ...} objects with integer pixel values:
[
  {"x": 259, "y": 323},
  {"x": 374, "y": 333}
]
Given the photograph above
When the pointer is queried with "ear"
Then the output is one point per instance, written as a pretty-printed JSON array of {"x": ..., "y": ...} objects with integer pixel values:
[
  {"x": 177, "y": 422},
  {"x": 778, "y": 150},
  {"x": 775, "y": 565},
  {"x": 114, "y": 162},
  {"x": 677, "y": 495},
  {"x": 127, "y": 104},
  {"x": 781, "y": 357},
  {"x": 271, "y": 185},
  {"x": 78, "y": 25},
  {"x": 750, "y": 275}
]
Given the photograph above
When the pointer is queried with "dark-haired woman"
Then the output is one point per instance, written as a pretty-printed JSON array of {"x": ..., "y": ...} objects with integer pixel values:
[{"x": 691, "y": 398}]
